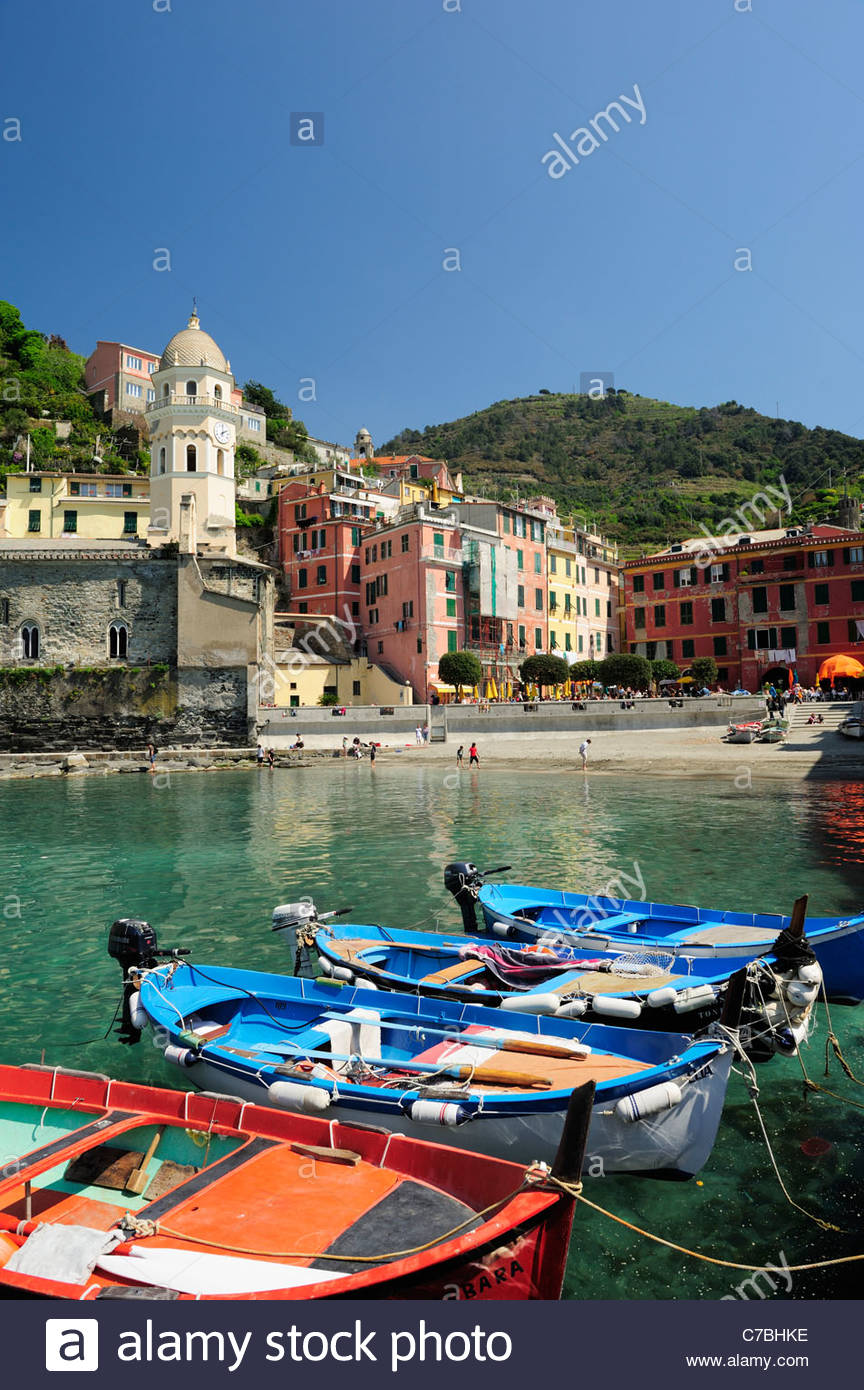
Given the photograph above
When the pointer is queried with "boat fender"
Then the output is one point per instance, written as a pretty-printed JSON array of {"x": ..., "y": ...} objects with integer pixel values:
[
  {"x": 785, "y": 1042},
  {"x": 180, "y": 1056},
  {"x": 503, "y": 929},
  {"x": 697, "y": 998},
  {"x": 293, "y": 1095},
  {"x": 531, "y": 1003},
  {"x": 433, "y": 1112},
  {"x": 612, "y": 1006},
  {"x": 574, "y": 1008},
  {"x": 340, "y": 973},
  {"x": 640, "y": 1104},
  {"x": 800, "y": 994},
  {"x": 810, "y": 974},
  {"x": 326, "y": 964},
  {"x": 661, "y": 998},
  {"x": 137, "y": 1012}
]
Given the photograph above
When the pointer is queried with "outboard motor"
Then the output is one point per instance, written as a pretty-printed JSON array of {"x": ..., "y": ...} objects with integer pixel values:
[
  {"x": 297, "y": 923},
  {"x": 132, "y": 942},
  {"x": 464, "y": 881}
]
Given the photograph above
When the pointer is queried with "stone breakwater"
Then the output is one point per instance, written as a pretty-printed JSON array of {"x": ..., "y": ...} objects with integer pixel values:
[{"x": 169, "y": 761}]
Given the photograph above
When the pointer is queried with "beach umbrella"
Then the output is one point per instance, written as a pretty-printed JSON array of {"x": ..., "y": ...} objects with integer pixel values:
[{"x": 840, "y": 665}]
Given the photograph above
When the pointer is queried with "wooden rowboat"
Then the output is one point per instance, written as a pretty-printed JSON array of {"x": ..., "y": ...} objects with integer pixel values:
[{"x": 111, "y": 1189}]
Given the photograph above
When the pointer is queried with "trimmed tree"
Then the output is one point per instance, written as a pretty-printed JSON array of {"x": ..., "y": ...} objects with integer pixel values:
[
  {"x": 664, "y": 670},
  {"x": 544, "y": 670},
  {"x": 460, "y": 668},
  {"x": 585, "y": 671},
  {"x": 625, "y": 668},
  {"x": 704, "y": 671}
]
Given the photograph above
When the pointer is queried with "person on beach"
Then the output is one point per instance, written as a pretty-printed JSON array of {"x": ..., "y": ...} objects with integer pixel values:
[
  {"x": 418, "y": 735},
  {"x": 425, "y": 733},
  {"x": 460, "y": 755},
  {"x": 260, "y": 756},
  {"x": 473, "y": 756},
  {"x": 271, "y": 761},
  {"x": 372, "y": 754},
  {"x": 583, "y": 753},
  {"x": 151, "y": 756},
  {"x": 345, "y": 746}
]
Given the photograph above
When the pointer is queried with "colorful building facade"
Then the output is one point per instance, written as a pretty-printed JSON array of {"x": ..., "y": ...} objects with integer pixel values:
[
  {"x": 91, "y": 506},
  {"x": 762, "y": 605}
]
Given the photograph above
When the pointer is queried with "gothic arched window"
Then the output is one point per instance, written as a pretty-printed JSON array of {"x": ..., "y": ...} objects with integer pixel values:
[
  {"x": 162, "y": 459},
  {"x": 191, "y": 458},
  {"x": 30, "y": 641},
  {"x": 118, "y": 640},
  {"x": 220, "y": 461},
  {"x": 217, "y": 392},
  {"x": 191, "y": 388}
]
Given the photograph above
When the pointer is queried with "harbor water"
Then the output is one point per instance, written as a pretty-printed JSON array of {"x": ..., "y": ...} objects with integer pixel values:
[{"x": 206, "y": 857}]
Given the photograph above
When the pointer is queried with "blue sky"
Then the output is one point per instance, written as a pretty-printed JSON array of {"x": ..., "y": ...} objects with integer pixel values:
[{"x": 150, "y": 124}]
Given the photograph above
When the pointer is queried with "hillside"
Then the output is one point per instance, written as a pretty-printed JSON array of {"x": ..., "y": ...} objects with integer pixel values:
[
  {"x": 642, "y": 471},
  {"x": 41, "y": 382}
]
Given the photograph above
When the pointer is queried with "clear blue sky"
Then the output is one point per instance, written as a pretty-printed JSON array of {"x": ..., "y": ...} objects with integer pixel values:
[{"x": 144, "y": 129}]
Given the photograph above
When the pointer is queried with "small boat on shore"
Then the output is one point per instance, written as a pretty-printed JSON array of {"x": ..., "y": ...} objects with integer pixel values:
[
  {"x": 646, "y": 989},
  {"x": 519, "y": 912},
  {"x": 116, "y": 1190},
  {"x": 440, "y": 1069}
]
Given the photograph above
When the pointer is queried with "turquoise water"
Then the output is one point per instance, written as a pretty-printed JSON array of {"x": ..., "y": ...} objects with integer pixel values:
[{"x": 206, "y": 857}]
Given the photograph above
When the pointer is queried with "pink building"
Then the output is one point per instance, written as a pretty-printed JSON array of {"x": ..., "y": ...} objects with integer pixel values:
[{"x": 117, "y": 377}]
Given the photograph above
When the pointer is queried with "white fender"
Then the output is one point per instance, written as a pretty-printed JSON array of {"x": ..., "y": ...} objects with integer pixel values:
[
  {"x": 660, "y": 998},
  {"x": 810, "y": 974},
  {"x": 339, "y": 972},
  {"x": 293, "y": 1095},
  {"x": 531, "y": 1003},
  {"x": 800, "y": 994},
  {"x": 698, "y": 997},
  {"x": 502, "y": 929},
  {"x": 180, "y": 1056},
  {"x": 651, "y": 1102},
  {"x": 433, "y": 1112},
  {"x": 574, "y": 1008},
  {"x": 138, "y": 1015},
  {"x": 326, "y": 964},
  {"x": 613, "y": 1007}
]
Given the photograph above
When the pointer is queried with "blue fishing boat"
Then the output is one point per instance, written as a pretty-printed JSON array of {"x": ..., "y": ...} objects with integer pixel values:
[
  {"x": 437, "y": 1069},
  {"x": 647, "y": 989},
  {"x": 516, "y": 912}
]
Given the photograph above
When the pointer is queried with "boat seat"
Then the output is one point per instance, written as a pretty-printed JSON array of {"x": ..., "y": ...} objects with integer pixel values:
[
  {"x": 617, "y": 922},
  {"x": 452, "y": 973},
  {"x": 359, "y": 1030}
]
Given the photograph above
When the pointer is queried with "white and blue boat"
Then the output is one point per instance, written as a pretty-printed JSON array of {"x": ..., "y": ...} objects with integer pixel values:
[
  {"x": 439, "y": 1070},
  {"x": 517, "y": 912},
  {"x": 647, "y": 989}
]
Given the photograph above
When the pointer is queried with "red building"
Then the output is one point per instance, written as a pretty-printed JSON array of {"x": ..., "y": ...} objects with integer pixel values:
[
  {"x": 321, "y": 531},
  {"x": 762, "y": 604}
]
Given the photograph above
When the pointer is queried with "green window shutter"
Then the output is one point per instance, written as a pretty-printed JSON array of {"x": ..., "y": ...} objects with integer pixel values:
[
  {"x": 70, "y": 522},
  {"x": 520, "y": 559},
  {"x": 452, "y": 641},
  {"x": 34, "y": 521},
  {"x": 130, "y": 523},
  {"x": 451, "y": 608}
]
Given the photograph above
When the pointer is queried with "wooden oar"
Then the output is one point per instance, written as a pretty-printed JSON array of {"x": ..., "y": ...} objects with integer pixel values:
[
  {"x": 462, "y": 1073},
  {"x": 139, "y": 1177},
  {"x": 538, "y": 1049}
]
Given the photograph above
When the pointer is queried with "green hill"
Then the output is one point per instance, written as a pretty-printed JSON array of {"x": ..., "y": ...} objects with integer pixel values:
[
  {"x": 642, "y": 471},
  {"x": 42, "y": 382}
]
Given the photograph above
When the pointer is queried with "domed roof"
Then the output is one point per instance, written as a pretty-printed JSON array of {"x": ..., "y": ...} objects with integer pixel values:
[{"x": 192, "y": 347}]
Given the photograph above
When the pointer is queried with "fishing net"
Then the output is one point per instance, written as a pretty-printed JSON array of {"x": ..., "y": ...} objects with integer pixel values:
[{"x": 643, "y": 963}]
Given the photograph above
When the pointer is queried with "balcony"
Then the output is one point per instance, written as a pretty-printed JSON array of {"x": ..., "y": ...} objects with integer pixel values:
[
  {"x": 446, "y": 556},
  {"x": 192, "y": 403}
]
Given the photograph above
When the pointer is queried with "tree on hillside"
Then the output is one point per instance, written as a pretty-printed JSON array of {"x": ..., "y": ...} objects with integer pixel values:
[
  {"x": 544, "y": 670},
  {"x": 625, "y": 668},
  {"x": 258, "y": 394},
  {"x": 460, "y": 669},
  {"x": 704, "y": 671}
]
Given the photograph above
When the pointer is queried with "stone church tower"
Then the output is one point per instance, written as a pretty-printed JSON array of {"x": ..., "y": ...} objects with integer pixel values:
[{"x": 193, "y": 435}]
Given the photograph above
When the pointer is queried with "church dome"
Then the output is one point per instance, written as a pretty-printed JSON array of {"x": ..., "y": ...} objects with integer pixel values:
[{"x": 192, "y": 347}]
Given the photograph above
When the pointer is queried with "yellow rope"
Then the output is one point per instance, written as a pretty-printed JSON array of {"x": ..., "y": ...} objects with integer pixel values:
[{"x": 696, "y": 1254}]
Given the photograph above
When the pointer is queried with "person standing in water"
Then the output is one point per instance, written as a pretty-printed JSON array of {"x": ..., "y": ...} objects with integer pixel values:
[
  {"x": 473, "y": 756},
  {"x": 583, "y": 753},
  {"x": 460, "y": 755}
]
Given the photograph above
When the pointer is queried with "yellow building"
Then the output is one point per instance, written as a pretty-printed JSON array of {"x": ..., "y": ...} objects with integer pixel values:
[
  {"x": 92, "y": 506},
  {"x": 583, "y": 592}
]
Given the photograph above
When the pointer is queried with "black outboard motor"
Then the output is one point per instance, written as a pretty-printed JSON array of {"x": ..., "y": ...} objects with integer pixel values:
[
  {"x": 464, "y": 881},
  {"x": 132, "y": 942}
]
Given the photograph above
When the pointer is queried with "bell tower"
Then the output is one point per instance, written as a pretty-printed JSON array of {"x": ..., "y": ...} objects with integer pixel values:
[{"x": 193, "y": 423}]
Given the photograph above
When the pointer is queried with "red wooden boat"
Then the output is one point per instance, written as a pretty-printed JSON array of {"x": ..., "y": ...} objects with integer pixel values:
[{"x": 110, "y": 1189}]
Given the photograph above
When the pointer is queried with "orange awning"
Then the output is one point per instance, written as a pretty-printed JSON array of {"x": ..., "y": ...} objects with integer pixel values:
[{"x": 840, "y": 665}]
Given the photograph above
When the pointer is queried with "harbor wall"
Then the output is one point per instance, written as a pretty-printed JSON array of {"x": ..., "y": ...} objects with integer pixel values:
[{"x": 57, "y": 709}]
